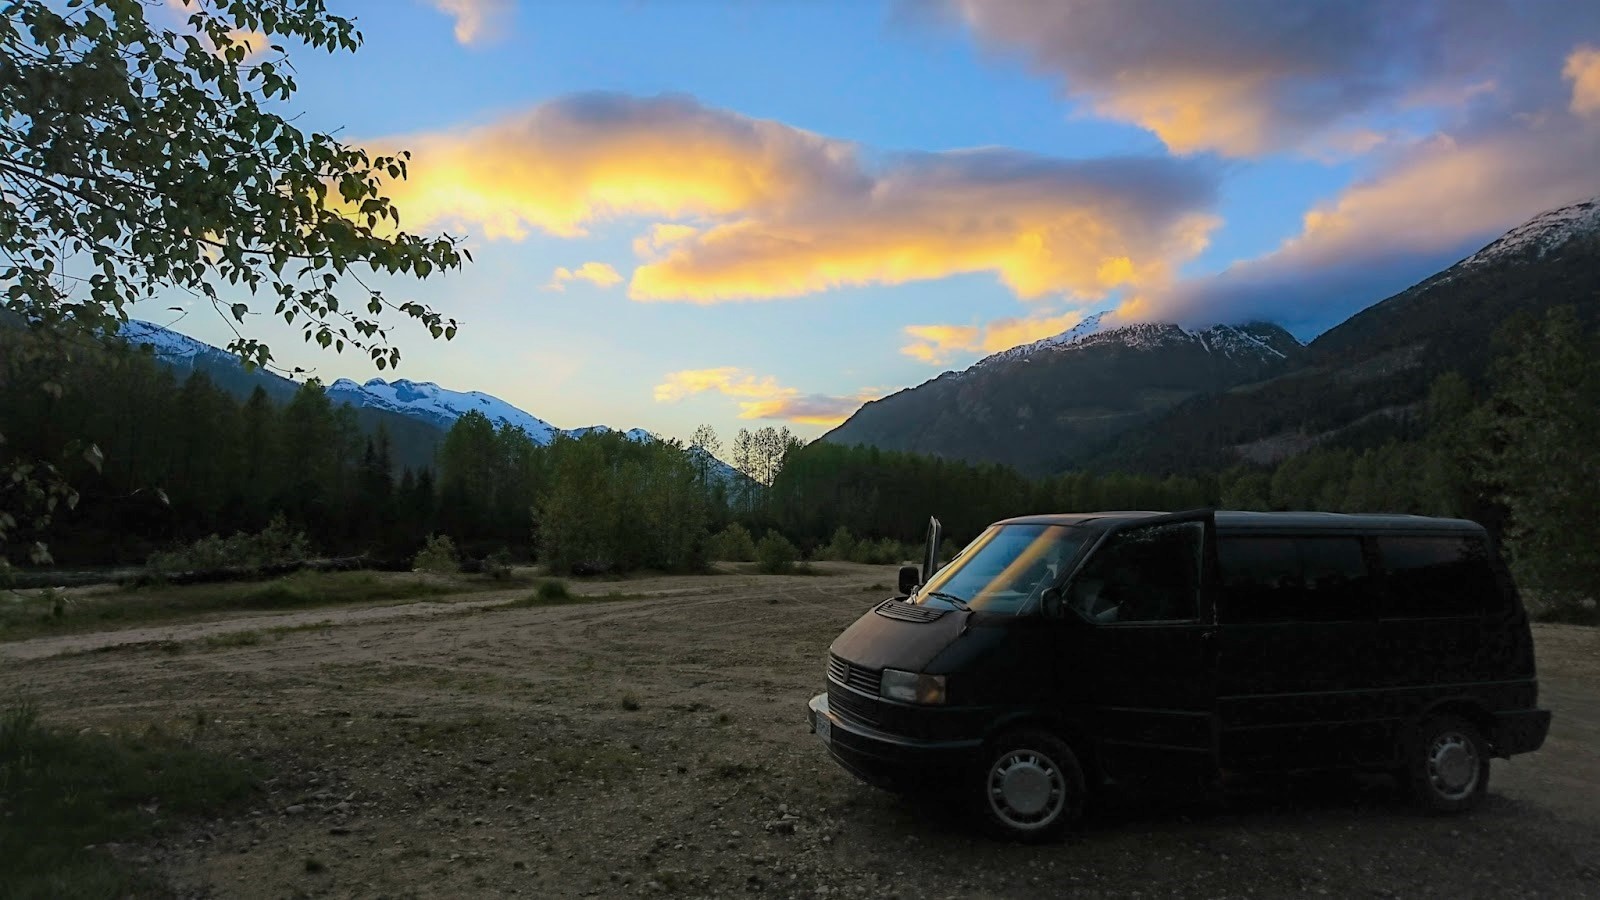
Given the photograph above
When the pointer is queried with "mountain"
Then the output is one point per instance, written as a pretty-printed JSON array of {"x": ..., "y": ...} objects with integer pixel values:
[
  {"x": 416, "y": 413},
  {"x": 1041, "y": 405},
  {"x": 1365, "y": 380},
  {"x": 1159, "y": 398}
]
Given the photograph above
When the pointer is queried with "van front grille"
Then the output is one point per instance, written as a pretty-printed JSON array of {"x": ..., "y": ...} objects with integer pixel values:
[
  {"x": 846, "y": 673},
  {"x": 851, "y": 705}
]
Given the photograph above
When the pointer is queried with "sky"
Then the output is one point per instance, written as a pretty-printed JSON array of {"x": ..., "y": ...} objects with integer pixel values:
[{"x": 766, "y": 212}]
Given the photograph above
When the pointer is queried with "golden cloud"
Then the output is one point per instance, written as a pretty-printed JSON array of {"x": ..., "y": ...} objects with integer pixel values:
[
  {"x": 761, "y": 397},
  {"x": 757, "y": 209},
  {"x": 598, "y": 274},
  {"x": 1583, "y": 70},
  {"x": 935, "y": 344},
  {"x": 475, "y": 20}
]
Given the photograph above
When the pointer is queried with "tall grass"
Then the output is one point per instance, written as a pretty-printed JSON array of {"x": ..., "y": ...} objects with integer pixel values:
[{"x": 63, "y": 793}]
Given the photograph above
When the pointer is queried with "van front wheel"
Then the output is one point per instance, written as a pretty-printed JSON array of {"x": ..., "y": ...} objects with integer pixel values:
[
  {"x": 1030, "y": 786},
  {"x": 1448, "y": 765}
]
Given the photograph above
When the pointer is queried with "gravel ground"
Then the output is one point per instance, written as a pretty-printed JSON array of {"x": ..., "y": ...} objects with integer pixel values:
[{"x": 658, "y": 746}]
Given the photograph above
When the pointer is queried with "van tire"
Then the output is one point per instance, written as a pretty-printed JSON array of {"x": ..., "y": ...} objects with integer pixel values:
[
  {"x": 1028, "y": 787},
  {"x": 1447, "y": 764}
]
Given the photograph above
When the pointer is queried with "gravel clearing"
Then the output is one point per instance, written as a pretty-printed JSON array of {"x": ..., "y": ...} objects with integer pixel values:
[{"x": 658, "y": 747}]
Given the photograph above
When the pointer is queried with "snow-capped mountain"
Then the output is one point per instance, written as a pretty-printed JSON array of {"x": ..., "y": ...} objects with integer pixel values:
[
  {"x": 1037, "y": 404},
  {"x": 439, "y": 405},
  {"x": 1541, "y": 235},
  {"x": 1253, "y": 341},
  {"x": 422, "y": 401}
]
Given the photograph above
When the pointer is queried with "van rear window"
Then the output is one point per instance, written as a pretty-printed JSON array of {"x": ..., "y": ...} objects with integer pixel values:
[
  {"x": 1292, "y": 579},
  {"x": 1436, "y": 576}
]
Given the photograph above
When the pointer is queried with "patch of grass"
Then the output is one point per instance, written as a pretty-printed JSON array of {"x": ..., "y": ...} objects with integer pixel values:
[
  {"x": 734, "y": 771},
  {"x": 552, "y": 767},
  {"x": 556, "y": 593},
  {"x": 41, "y": 613},
  {"x": 234, "y": 639},
  {"x": 63, "y": 793},
  {"x": 279, "y": 632}
]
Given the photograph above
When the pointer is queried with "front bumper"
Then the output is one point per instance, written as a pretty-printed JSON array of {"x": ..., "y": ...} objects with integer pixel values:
[
  {"x": 888, "y": 760},
  {"x": 1522, "y": 731}
]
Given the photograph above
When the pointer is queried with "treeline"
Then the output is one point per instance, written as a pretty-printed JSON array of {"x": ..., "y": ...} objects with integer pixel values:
[
  {"x": 1517, "y": 452},
  {"x": 156, "y": 462}
]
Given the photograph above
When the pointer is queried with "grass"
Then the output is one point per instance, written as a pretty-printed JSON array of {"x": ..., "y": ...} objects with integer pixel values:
[
  {"x": 64, "y": 795},
  {"x": 36, "y": 613},
  {"x": 234, "y": 639},
  {"x": 556, "y": 593}
]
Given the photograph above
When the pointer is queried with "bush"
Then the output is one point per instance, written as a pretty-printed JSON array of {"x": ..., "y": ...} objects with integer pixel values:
[
  {"x": 554, "y": 591},
  {"x": 841, "y": 547},
  {"x": 775, "y": 555},
  {"x": 438, "y": 555},
  {"x": 277, "y": 544},
  {"x": 733, "y": 544},
  {"x": 884, "y": 551},
  {"x": 497, "y": 565}
]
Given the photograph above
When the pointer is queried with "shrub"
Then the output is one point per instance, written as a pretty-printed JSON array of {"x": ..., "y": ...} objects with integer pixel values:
[
  {"x": 438, "y": 555},
  {"x": 883, "y": 551},
  {"x": 276, "y": 544},
  {"x": 842, "y": 546},
  {"x": 733, "y": 544},
  {"x": 497, "y": 565},
  {"x": 775, "y": 555},
  {"x": 554, "y": 591}
]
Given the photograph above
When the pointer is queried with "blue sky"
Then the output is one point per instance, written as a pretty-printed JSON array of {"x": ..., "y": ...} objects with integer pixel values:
[{"x": 860, "y": 195}]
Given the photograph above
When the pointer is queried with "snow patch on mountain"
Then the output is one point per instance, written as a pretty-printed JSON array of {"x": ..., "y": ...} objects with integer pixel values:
[
  {"x": 1089, "y": 326},
  {"x": 1542, "y": 234},
  {"x": 164, "y": 342},
  {"x": 1238, "y": 341},
  {"x": 423, "y": 400},
  {"x": 441, "y": 406}
]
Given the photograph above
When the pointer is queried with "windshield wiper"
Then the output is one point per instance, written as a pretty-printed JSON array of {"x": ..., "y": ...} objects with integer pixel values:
[{"x": 954, "y": 600}]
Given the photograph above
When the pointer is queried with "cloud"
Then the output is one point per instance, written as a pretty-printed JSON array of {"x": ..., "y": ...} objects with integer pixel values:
[
  {"x": 935, "y": 344},
  {"x": 1422, "y": 210},
  {"x": 761, "y": 397},
  {"x": 756, "y": 209},
  {"x": 476, "y": 20},
  {"x": 1248, "y": 77},
  {"x": 598, "y": 274},
  {"x": 1583, "y": 70}
]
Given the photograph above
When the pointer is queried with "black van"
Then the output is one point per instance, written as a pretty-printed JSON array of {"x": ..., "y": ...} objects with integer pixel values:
[{"x": 1057, "y": 653}]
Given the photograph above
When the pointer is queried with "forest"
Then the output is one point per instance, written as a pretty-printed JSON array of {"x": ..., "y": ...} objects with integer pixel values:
[{"x": 174, "y": 462}]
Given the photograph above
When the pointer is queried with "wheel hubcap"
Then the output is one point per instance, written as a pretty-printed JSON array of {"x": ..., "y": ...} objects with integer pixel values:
[
  {"x": 1452, "y": 765},
  {"x": 1026, "y": 789}
]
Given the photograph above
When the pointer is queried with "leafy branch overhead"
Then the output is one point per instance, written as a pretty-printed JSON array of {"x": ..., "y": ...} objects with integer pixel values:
[
  {"x": 146, "y": 151},
  {"x": 143, "y": 150}
]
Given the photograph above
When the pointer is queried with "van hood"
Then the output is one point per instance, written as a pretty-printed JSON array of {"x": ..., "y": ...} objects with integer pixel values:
[{"x": 894, "y": 635}]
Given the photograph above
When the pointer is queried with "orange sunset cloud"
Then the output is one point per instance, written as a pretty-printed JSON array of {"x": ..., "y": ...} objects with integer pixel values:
[
  {"x": 756, "y": 209},
  {"x": 761, "y": 397}
]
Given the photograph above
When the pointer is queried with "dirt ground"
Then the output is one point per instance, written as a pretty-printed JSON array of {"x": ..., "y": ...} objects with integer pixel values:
[{"x": 659, "y": 746}]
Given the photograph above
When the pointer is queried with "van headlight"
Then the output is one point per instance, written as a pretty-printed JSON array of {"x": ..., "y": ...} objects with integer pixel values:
[{"x": 911, "y": 687}]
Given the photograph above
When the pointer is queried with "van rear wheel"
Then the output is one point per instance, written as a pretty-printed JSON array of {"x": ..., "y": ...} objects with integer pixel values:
[
  {"x": 1447, "y": 765},
  {"x": 1030, "y": 786}
]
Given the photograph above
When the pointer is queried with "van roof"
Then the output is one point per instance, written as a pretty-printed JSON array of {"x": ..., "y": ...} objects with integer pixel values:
[{"x": 1239, "y": 520}]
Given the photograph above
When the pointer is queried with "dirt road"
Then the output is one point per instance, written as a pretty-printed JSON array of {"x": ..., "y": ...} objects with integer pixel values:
[{"x": 659, "y": 746}]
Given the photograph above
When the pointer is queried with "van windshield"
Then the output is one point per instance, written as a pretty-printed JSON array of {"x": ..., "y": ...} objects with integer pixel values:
[{"x": 1006, "y": 568}]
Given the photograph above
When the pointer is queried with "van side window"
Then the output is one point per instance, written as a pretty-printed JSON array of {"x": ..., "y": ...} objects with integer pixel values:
[
  {"x": 1144, "y": 574},
  {"x": 1437, "y": 576},
  {"x": 1292, "y": 579}
]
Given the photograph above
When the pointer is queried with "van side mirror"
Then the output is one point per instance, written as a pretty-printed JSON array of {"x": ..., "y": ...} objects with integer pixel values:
[
  {"x": 910, "y": 579},
  {"x": 1050, "y": 603}
]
